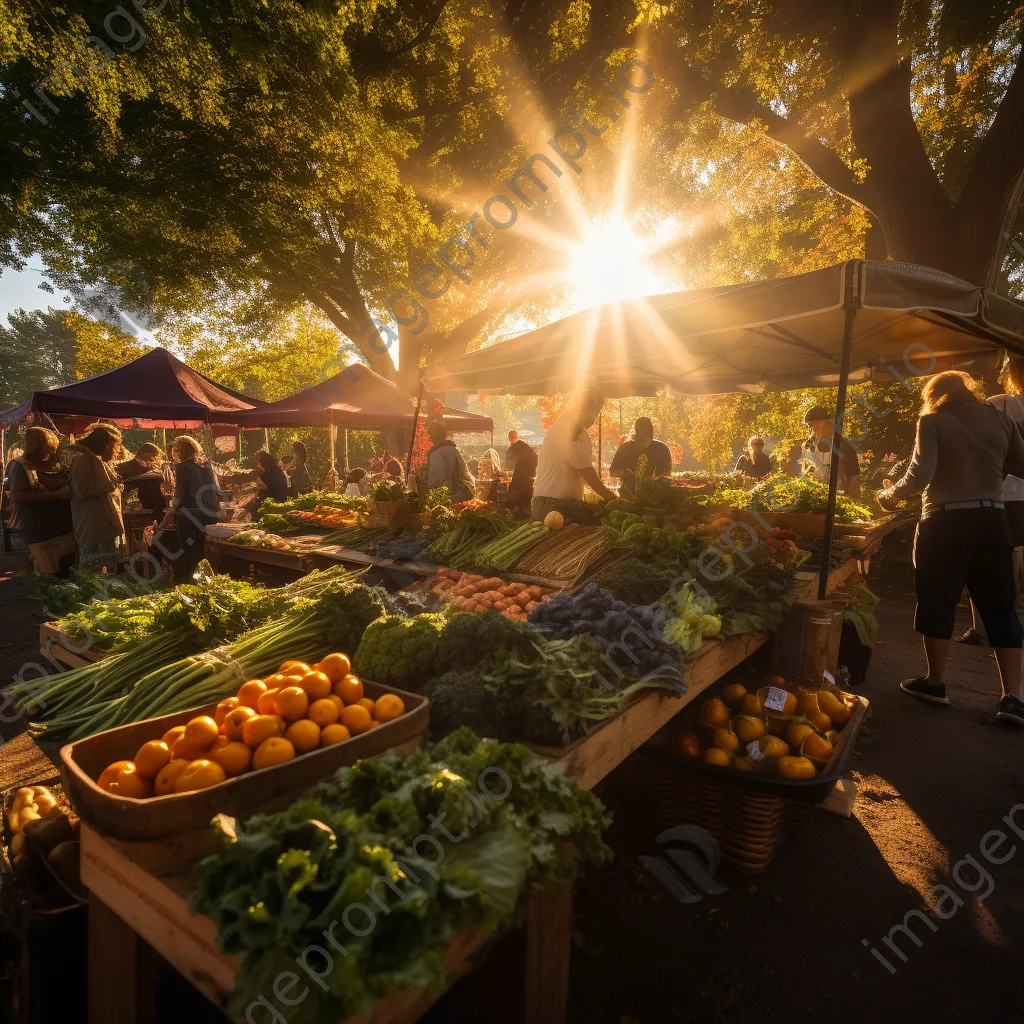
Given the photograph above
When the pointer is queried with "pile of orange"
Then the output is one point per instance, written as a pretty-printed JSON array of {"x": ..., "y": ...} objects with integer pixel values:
[
  {"x": 790, "y": 730},
  {"x": 295, "y": 711}
]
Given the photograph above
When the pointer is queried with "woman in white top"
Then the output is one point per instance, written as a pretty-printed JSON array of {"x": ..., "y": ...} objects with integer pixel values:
[{"x": 1011, "y": 403}]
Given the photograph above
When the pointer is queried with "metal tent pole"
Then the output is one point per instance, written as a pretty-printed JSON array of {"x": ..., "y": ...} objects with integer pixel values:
[
  {"x": 332, "y": 432},
  {"x": 600, "y": 442},
  {"x": 850, "y": 303},
  {"x": 266, "y": 439},
  {"x": 344, "y": 450}
]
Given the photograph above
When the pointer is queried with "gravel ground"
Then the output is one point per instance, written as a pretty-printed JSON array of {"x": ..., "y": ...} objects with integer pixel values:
[{"x": 787, "y": 944}]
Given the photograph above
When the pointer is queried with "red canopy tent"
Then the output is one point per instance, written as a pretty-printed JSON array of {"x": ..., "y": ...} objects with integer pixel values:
[
  {"x": 356, "y": 398},
  {"x": 155, "y": 390}
]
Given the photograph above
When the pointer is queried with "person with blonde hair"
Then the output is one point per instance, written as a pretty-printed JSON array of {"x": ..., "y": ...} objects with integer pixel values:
[
  {"x": 96, "y": 499},
  {"x": 964, "y": 450},
  {"x": 40, "y": 489},
  {"x": 196, "y": 503}
]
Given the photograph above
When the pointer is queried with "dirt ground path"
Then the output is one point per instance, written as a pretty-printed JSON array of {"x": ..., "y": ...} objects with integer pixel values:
[{"x": 787, "y": 944}]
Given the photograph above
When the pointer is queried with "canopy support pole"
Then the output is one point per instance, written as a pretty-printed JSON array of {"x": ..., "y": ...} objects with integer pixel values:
[
  {"x": 600, "y": 442},
  {"x": 266, "y": 439},
  {"x": 344, "y": 450},
  {"x": 415, "y": 421},
  {"x": 3, "y": 448},
  {"x": 332, "y": 432},
  {"x": 850, "y": 310}
]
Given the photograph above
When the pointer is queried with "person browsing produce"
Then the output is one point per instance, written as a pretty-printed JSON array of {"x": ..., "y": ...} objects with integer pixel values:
[
  {"x": 521, "y": 460},
  {"x": 566, "y": 459},
  {"x": 964, "y": 450},
  {"x": 640, "y": 457},
  {"x": 446, "y": 466},
  {"x": 140, "y": 474},
  {"x": 96, "y": 500},
  {"x": 39, "y": 485},
  {"x": 754, "y": 462},
  {"x": 816, "y": 454},
  {"x": 300, "y": 482},
  {"x": 197, "y": 499},
  {"x": 270, "y": 479}
]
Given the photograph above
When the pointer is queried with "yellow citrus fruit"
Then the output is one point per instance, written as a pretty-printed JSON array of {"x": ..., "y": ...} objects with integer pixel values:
[
  {"x": 356, "y": 719},
  {"x": 260, "y": 728},
  {"x": 265, "y": 704},
  {"x": 200, "y": 774},
  {"x": 275, "y": 750},
  {"x": 714, "y": 755},
  {"x": 173, "y": 735},
  {"x": 276, "y": 681},
  {"x": 714, "y": 713},
  {"x": 335, "y": 666},
  {"x": 151, "y": 757},
  {"x": 830, "y": 704},
  {"x": 164, "y": 782},
  {"x": 331, "y": 734},
  {"x": 816, "y": 746},
  {"x": 727, "y": 740},
  {"x": 189, "y": 751},
  {"x": 772, "y": 746},
  {"x": 751, "y": 705},
  {"x": 748, "y": 728},
  {"x": 789, "y": 704},
  {"x": 323, "y": 712},
  {"x": 337, "y": 702},
  {"x": 316, "y": 685},
  {"x": 110, "y": 773},
  {"x": 795, "y": 768},
  {"x": 226, "y": 705},
  {"x": 249, "y": 693},
  {"x": 388, "y": 707},
  {"x": 807, "y": 700},
  {"x": 235, "y": 721},
  {"x": 293, "y": 668},
  {"x": 291, "y": 703},
  {"x": 796, "y": 732},
  {"x": 734, "y": 693},
  {"x": 234, "y": 757},
  {"x": 201, "y": 732},
  {"x": 745, "y": 764},
  {"x": 349, "y": 688},
  {"x": 304, "y": 735},
  {"x": 130, "y": 783},
  {"x": 368, "y": 703},
  {"x": 820, "y": 721}
]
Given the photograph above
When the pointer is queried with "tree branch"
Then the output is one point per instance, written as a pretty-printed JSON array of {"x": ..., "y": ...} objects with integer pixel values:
[{"x": 421, "y": 36}]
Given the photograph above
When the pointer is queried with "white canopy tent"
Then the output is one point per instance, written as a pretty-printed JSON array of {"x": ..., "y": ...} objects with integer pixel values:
[{"x": 856, "y": 321}]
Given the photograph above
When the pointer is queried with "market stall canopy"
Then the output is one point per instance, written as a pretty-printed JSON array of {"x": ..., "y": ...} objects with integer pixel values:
[
  {"x": 357, "y": 398},
  {"x": 769, "y": 335},
  {"x": 155, "y": 390}
]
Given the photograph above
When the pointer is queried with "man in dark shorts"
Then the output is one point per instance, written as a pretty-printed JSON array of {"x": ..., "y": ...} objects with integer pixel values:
[{"x": 626, "y": 464}]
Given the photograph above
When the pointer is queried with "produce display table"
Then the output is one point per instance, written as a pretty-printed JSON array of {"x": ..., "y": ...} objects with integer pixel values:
[
  {"x": 51, "y": 645},
  {"x": 135, "y": 919}
]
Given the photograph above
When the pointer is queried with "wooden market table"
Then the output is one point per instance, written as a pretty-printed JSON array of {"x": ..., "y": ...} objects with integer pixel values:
[{"x": 136, "y": 920}]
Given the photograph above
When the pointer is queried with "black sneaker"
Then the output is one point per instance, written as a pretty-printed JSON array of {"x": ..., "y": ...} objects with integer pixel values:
[
  {"x": 972, "y": 638},
  {"x": 924, "y": 690},
  {"x": 1010, "y": 709}
]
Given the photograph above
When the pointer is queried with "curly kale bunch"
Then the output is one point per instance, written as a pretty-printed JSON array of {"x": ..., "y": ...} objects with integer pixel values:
[
  {"x": 400, "y": 652},
  {"x": 635, "y": 581}
]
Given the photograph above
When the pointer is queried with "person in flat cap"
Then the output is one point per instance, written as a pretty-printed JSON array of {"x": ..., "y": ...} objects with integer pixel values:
[{"x": 818, "y": 450}]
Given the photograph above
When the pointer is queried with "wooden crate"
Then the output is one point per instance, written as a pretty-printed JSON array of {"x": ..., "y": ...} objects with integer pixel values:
[
  {"x": 53, "y": 642},
  {"x": 167, "y": 834}
]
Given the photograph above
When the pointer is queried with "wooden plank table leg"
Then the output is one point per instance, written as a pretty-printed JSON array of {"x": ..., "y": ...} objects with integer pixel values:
[
  {"x": 122, "y": 970},
  {"x": 548, "y": 946}
]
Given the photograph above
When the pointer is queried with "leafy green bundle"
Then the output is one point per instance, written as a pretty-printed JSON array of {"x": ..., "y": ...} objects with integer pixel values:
[
  {"x": 399, "y": 651},
  {"x": 781, "y": 493},
  {"x": 499, "y": 821},
  {"x": 61, "y": 597}
]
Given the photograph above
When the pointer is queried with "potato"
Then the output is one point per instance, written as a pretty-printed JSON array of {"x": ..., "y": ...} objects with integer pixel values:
[
  {"x": 17, "y": 845},
  {"x": 45, "y": 802},
  {"x": 22, "y": 797},
  {"x": 26, "y": 815},
  {"x": 41, "y": 791}
]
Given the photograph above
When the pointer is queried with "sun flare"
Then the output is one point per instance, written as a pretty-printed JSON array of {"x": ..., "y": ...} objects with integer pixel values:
[{"x": 612, "y": 263}]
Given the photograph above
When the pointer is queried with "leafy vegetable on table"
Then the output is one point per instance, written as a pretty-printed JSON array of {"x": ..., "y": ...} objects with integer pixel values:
[
  {"x": 802, "y": 494},
  {"x": 279, "y": 881},
  {"x": 60, "y": 597},
  {"x": 635, "y": 581},
  {"x": 386, "y": 490},
  {"x": 692, "y": 619},
  {"x": 400, "y": 652}
]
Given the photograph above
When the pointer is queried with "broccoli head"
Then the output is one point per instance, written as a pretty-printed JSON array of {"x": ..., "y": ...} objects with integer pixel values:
[
  {"x": 400, "y": 652},
  {"x": 476, "y": 639},
  {"x": 460, "y": 697}
]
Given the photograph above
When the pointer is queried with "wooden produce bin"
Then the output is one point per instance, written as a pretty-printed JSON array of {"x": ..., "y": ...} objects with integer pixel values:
[
  {"x": 167, "y": 834},
  {"x": 56, "y": 646}
]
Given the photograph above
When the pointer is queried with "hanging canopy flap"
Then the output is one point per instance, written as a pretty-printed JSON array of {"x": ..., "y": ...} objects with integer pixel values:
[
  {"x": 154, "y": 390},
  {"x": 771, "y": 335},
  {"x": 357, "y": 398}
]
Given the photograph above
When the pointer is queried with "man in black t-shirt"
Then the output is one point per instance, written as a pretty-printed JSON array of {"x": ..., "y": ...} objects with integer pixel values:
[{"x": 627, "y": 465}]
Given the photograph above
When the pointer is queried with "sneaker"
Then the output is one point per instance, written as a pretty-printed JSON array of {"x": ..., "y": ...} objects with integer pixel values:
[
  {"x": 972, "y": 638},
  {"x": 1010, "y": 709},
  {"x": 924, "y": 690}
]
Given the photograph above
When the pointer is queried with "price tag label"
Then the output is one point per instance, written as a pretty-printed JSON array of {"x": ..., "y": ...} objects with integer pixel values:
[
  {"x": 829, "y": 678},
  {"x": 776, "y": 699},
  {"x": 754, "y": 750}
]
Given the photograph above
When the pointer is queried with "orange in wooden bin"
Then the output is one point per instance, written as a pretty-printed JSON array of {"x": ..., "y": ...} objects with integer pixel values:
[
  {"x": 291, "y": 703},
  {"x": 807, "y": 701},
  {"x": 714, "y": 713},
  {"x": 249, "y": 692},
  {"x": 335, "y": 666},
  {"x": 324, "y": 711},
  {"x": 316, "y": 685},
  {"x": 261, "y": 728},
  {"x": 265, "y": 704}
]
